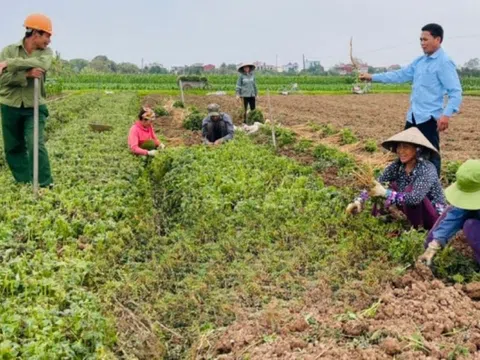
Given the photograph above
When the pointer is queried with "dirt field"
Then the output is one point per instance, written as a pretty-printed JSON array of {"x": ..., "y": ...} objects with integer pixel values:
[
  {"x": 416, "y": 317},
  {"x": 370, "y": 116}
]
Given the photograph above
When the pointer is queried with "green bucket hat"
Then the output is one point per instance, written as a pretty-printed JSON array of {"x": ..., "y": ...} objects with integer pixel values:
[
  {"x": 465, "y": 192},
  {"x": 213, "y": 110}
]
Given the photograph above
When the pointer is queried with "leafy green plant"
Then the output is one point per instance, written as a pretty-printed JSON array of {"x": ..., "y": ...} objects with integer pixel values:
[
  {"x": 347, "y": 137},
  {"x": 452, "y": 265},
  {"x": 255, "y": 116},
  {"x": 314, "y": 126},
  {"x": 178, "y": 104},
  {"x": 148, "y": 145},
  {"x": 194, "y": 120},
  {"x": 457, "y": 352},
  {"x": 407, "y": 247},
  {"x": 450, "y": 171},
  {"x": 161, "y": 111},
  {"x": 370, "y": 146},
  {"x": 330, "y": 157},
  {"x": 284, "y": 136},
  {"x": 328, "y": 130},
  {"x": 416, "y": 342},
  {"x": 303, "y": 145}
]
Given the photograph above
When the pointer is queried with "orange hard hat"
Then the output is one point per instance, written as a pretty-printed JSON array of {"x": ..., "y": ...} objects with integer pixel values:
[{"x": 38, "y": 22}]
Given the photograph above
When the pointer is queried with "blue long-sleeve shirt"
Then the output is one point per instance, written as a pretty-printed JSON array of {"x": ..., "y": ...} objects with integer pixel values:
[
  {"x": 432, "y": 77},
  {"x": 451, "y": 222}
]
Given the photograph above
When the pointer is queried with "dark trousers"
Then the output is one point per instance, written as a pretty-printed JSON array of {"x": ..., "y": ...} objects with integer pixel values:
[
  {"x": 17, "y": 128},
  {"x": 246, "y": 102},
  {"x": 429, "y": 129},
  {"x": 216, "y": 130}
]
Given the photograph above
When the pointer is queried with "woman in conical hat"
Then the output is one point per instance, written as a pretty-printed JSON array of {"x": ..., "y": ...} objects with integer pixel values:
[
  {"x": 464, "y": 213},
  {"x": 413, "y": 184},
  {"x": 246, "y": 87}
]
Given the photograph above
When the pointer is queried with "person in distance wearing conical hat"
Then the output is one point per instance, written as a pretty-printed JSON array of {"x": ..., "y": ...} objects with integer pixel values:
[
  {"x": 464, "y": 213},
  {"x": 247, "y": 87},
  {"x": 413, "y": 184}
]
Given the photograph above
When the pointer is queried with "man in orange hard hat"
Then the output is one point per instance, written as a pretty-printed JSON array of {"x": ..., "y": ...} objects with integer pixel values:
[{"x": 20, "y": 64}]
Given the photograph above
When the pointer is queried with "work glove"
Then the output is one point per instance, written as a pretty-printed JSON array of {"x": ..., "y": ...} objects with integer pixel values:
[
  {"x": 378, "y": 190},
  {"x": 428, "y": 255},
  {"x": 161, "y": 146},
  {"x": 152, "y": 153},
  {"x": 354, "y": 208}
]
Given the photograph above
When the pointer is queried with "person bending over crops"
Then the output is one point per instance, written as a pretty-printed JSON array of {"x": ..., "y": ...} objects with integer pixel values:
[
  {"x": 141, "y": 138},
  {"x": 414, "y": 187},
  {"x": 433, "y": 75},
  {"x": 217, "y": 127},
  {"x": 464, "y": 212},
  {"x": 246, "y": 87},
  {"x": 20, "y": 64}
]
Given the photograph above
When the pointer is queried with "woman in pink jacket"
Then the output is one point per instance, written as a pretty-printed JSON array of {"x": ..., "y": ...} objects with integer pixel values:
[{"x": 142, "y": 133}]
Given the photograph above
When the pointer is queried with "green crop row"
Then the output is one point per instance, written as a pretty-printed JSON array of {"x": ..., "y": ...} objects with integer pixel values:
[
  {"x": 127, "y": 258},
  {"x": 57, "y": 251},
  {"x": 228, "y": 83},
  {"x": 224, "y": 87},
  {"x": 224, "y": 79}
]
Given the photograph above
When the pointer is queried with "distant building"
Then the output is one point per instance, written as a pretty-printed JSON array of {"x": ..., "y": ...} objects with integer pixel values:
[
  {"x": 208, "y": 67},
  {"x": 347, "y": 69},
  {"x": 263, "y": 66},
  {"x": 178, "y": 69},
  {"x": 290, "y": 67},
  {"x": 310, "y": 64}
]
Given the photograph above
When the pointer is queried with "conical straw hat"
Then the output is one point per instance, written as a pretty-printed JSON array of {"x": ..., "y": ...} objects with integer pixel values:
[
  {"x": 411, "y": 136},
  {"x": 242, "y": 65}
]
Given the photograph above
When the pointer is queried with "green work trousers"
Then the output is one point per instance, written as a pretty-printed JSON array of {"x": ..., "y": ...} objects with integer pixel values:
[{"x": 17, "y": 128}]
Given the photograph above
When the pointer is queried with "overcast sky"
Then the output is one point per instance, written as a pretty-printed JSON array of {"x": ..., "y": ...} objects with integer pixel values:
[{"x": 178, "y": 32}]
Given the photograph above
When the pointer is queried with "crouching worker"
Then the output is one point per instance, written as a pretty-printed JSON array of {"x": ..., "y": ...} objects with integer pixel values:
[
  {"x": 217, "y": 127},
  {"x": 464, "y": 213},
  {"x": 141, "y": 138},
  {"x": 414, "y": 187}
]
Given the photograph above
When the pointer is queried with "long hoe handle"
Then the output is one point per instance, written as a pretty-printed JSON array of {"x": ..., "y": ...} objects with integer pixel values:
[{"x": 36, "y": 89}]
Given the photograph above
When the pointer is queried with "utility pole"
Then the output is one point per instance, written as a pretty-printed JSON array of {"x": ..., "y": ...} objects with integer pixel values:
[
  {"x": 303, "y": 61},
  {"x": 276, "y": 62}
]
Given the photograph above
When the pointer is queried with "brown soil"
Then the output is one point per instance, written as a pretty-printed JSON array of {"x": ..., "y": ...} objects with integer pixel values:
[
  {"x": 415, "y": 317},
  {"x": 372, "y": 116},
  {"x": 171, "y": 127}
]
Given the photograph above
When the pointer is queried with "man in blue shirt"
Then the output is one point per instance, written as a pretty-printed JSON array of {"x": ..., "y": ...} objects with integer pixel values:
[
  {"x": 432, "y": 75},
  {"x": 464, "y": 196}
]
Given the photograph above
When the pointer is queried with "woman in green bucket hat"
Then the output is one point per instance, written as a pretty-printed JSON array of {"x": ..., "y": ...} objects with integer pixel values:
[{"x": 464, "y": 213}]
